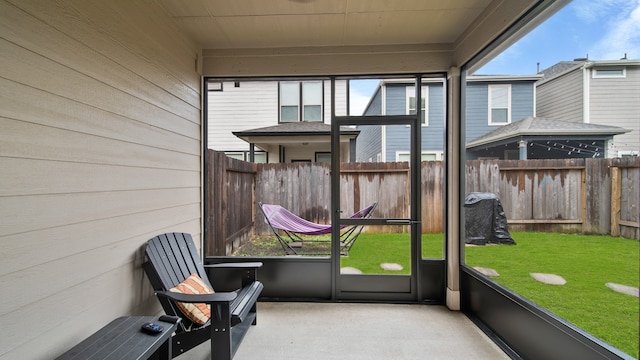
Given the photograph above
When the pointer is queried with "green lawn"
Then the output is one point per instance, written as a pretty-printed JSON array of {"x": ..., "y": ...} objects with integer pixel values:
[{"x": 586, "y": 262}]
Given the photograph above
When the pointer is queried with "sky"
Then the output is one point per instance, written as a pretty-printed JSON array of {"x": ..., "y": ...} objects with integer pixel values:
[{"x": 597, "y": 29}]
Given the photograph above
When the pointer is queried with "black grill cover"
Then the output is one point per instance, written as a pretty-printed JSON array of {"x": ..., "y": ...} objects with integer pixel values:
[{"x": 486, "y": 221}]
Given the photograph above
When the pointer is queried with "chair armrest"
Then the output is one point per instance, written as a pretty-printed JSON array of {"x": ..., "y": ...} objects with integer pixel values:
[
  {"x": 217, "y": 298},
  {"x": 240, "y": 265}
]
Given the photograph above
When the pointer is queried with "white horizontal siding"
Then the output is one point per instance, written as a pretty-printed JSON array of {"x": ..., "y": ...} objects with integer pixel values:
[
  {"x": 100, "y": 150},
  {"x": 254, "y": 104}
]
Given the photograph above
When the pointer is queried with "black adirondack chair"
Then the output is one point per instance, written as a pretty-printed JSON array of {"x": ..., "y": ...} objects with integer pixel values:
[{"x": 171, "y": 258}]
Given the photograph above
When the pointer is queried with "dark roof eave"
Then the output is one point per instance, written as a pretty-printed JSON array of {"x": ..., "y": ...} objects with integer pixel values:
[
  {"x": 299, "y": 133},
  {"x": 539, "y": 136}
]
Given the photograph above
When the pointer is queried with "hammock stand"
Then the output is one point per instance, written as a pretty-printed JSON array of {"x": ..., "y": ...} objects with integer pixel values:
[{"x": 284, "y": 223}]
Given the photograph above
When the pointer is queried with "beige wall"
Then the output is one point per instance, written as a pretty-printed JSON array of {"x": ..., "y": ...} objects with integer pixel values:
[{"x": 100, "y": 150}]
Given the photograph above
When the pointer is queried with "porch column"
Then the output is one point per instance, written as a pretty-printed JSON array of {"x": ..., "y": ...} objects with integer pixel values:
[
  {"x": 522, "y": 145},
  {"x": 252, "y": 152},
  {"x": 455, "y": 160}
]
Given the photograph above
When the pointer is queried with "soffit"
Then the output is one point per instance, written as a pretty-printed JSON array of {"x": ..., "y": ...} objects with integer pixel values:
[{"x": 229, "y": 24}]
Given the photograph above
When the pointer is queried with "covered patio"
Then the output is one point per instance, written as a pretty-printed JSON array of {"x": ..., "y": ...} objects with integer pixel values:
[
  {"x": 360, "y": 331},
  {"x": 103, "y": 145}
]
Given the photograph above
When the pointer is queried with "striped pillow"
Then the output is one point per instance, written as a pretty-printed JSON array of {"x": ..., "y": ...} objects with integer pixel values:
[{"x": 199, "y": 313}]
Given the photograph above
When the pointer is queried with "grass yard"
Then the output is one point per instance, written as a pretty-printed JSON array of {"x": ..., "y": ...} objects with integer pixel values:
[{"x": 586, "y": 262}]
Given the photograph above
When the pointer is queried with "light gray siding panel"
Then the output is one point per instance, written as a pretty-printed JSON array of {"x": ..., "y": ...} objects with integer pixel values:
[
  {"x": 101, "y": 150},
  {"x": 61, "y": 113},
  {"x": 561, "y": 98},
  {"x": 616, "y": 102}
]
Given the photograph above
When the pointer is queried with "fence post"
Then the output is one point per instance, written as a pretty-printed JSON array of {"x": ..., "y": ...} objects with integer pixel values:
[{"x": 615, "y": 201}]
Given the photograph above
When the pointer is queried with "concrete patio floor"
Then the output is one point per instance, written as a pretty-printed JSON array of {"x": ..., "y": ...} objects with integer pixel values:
[{"x": 360, "y": 331}]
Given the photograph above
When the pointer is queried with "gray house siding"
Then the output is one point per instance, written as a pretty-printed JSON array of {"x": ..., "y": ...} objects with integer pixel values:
[
  {"x": 561, "y": 98},
  {"x": 433, "y": 135},
  {"x": 369, "y": 142},
  {"x": 521, "y": 101},
  {"x": 396, "y": 138},
  {"x": 477, "y": 103},
  {"x": 522, "y": 106},
  {"x": 396, "y": 99}
]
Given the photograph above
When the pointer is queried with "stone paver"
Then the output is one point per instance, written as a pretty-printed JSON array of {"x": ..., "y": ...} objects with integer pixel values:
[
  {"x": 550, "y": 279},
  {"x": 391, "y": 266},
  {"x": 350, "y": 271},
  {"x": 487, "y": 271},
  {"x": 624, "y": 289}
]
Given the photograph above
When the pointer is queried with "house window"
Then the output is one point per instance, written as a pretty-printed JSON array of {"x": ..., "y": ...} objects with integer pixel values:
[
  {"x": 300, "y": 101},
  {"x": 214, "y": 85},
  {"x": 258, "y": 156},
  {"x": 239, "y": 155},
  {"x": 425, "y": 156},
  {"x": 411, "y": 103},
  {"x": 499, "y": 104},
  {"x": 323, "y": 157},
  {"x": 609, "y": 73}
]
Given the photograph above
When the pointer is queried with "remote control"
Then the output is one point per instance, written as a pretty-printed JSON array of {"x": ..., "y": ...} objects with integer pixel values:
[
  {"x": 169, "y": 319},
  {"x": 152, "y": 328}
]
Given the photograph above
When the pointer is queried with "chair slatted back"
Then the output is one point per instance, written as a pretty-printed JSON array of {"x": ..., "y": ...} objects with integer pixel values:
[{"x": 171, "y": 258}]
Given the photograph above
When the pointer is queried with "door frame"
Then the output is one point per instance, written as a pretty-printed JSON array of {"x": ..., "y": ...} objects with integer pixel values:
[{"x": 377, "y": 287}]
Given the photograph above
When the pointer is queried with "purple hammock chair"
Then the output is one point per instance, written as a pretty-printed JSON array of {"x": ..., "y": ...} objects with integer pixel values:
[{"x": 292, "y": 226}]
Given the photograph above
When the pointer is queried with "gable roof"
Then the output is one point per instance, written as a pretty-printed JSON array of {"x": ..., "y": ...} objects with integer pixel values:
[{"x": 535, "y": 126}]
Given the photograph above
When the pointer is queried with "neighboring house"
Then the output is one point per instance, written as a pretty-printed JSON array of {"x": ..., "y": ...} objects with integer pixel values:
[
  {"x": 595, "y": 92},
  {"x": 491, "y": 102},
  {"x": 397, "y": 97},
  {"x": 509, "y": 118},
  {"x": 275, "y": 121}
]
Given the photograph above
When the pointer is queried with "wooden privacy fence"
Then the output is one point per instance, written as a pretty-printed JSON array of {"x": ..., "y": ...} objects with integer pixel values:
[
  {"x": 305, "y": 189},
  {"x": 598, "y": 196},
  {"x": 229, "y": 201}
]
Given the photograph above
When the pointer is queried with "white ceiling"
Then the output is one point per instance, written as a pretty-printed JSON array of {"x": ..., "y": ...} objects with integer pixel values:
[
  {"x": 229, "y": 24},
  {"x": 439, "y": 32}
]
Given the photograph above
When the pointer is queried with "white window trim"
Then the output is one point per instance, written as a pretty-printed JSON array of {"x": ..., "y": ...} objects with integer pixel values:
[
  {"x": 437, "y": 154},
  {"x": 301, "y": 104},
  {"x": 320, "y": 103},
  {"x": 410, "y": 92},
  {"x": 622, "y": 153},
  {"x": 595, "y": 75},
  {"x": 489, "y": 107}
]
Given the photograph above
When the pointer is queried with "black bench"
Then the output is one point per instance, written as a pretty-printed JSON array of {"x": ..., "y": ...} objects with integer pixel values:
[
  {"x": 123, "y": 338},
  {"x": 172, "y": 258}
]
